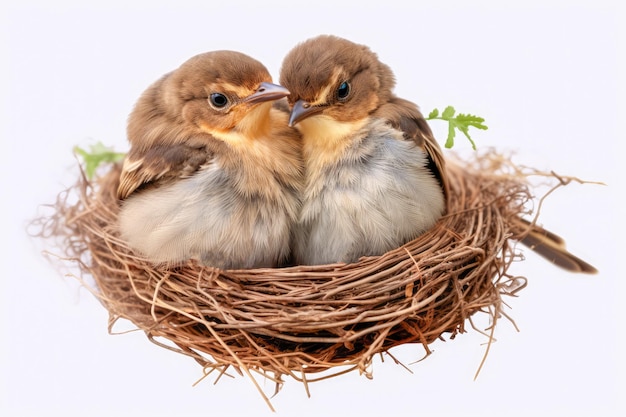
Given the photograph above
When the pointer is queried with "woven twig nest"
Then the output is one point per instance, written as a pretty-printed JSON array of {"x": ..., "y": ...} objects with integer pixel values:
[{"x": 299, "y": 321}]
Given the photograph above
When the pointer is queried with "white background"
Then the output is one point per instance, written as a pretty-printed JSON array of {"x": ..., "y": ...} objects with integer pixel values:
[{"x": 547, "y": 79}]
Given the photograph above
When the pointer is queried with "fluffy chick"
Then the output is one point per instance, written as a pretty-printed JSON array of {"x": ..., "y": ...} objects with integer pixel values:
[
  {"x": 374, "y": 172},
  {"x": 213, "y": 172}
]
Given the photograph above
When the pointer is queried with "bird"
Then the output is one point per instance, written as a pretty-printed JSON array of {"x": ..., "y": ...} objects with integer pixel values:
[
  {"x": 213, "y": 172},
  {"x": 375, "y": 176}
]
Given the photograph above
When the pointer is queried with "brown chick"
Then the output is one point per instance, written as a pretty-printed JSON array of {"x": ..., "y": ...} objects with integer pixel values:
[
  {"x": 213, "y": 172},
  {"x": 374, "y": 173}
]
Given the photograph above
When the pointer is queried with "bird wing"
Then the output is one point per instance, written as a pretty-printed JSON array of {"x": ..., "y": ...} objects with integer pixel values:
[
  {"x": 405, "y": 116},
  {"x": 161, "y": 162}
]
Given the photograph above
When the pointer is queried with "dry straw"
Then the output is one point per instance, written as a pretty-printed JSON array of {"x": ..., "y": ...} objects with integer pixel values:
[{"x": 301, "y": 321}]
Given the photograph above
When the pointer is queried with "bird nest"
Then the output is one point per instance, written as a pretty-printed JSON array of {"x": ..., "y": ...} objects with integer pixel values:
[{"x": 300, "y": 321}]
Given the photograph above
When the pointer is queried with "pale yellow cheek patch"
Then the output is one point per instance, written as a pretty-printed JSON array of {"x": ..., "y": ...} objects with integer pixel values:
[
  {"x": 324, "y": 132},
  {"x": 325, "y": 139},
  {"x": 229, "y": 136},
  {"x": 211, "y": 130},
  {"x": 253, "y": 125},
  {"x": 256, "y": 121}
]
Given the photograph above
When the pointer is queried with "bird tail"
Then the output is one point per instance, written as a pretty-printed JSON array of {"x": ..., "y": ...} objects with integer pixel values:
[{"x": 550, "y": 246}]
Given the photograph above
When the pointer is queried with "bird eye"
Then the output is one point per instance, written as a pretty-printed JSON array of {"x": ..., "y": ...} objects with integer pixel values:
[
  {"x": 343, "y": 91},
  {"x": 218, "y": 100}
]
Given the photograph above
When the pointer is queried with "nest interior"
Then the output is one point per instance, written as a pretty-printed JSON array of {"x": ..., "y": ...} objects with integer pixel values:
[{"x": 299, "y": 321}]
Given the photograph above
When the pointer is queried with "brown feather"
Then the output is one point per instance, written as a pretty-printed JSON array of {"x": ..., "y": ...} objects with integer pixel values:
[
  {"x": 163, "y": 163},
  {"x": 405, "y": 116},
  {"x": 333, "y": 61},
  {"x": 550, "y": 246}
]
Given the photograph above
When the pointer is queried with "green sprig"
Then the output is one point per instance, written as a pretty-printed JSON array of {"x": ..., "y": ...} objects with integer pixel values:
[
  {"x": 96, "y": 156},
  {"x": 461, "y": 122}
]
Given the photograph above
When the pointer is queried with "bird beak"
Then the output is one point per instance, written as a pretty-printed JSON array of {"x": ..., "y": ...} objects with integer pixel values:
[
  {"x": 301, "y": 110},
  {"x": 267, "y": 92}
]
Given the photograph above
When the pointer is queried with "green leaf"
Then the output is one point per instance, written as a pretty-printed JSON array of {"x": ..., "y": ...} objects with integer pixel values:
[
  {"x": 471, "y": 120},
  {"x": 461, "y": 122},
  {"x": 96, "y": 156},
  {"x": 448, "y": 112}
]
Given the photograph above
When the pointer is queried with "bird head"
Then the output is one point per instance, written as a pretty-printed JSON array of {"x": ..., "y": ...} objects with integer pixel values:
[
  {"x": 221, "y": 93},
  {"x": 336, "y": 79}
]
